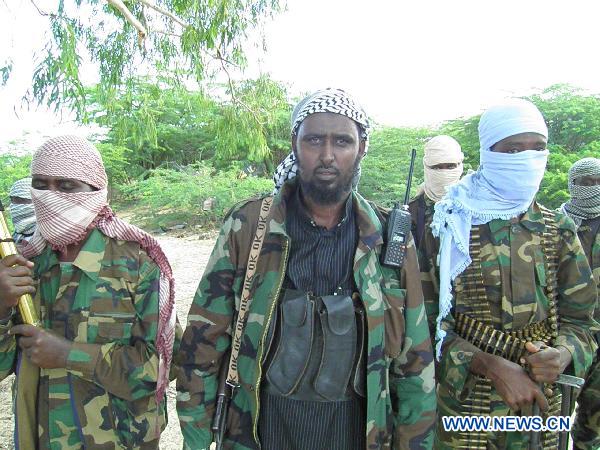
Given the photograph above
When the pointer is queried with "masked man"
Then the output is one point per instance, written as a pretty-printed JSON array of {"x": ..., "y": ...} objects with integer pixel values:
[
  {"x": 21, "y": 210},
  {"x": 442, "y": 167},
  {"x": 94, "y": 374},
  {"x": 516, "y": 291},
  {"x": 584, "y": 209},
  {"x": 335, "y": 353}
]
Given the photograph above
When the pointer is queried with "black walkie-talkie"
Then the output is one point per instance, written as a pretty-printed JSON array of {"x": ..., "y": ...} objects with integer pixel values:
[{"x": 398, "y": 227}]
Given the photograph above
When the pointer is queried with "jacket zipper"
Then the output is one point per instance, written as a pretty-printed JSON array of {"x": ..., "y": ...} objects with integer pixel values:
[{"x": 264, "y": 335}]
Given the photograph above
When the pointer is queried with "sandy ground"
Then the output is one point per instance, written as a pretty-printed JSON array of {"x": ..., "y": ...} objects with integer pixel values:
[{"x": 188, "y": 257}]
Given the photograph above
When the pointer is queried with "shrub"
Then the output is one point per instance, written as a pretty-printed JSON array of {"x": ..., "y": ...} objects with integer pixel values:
[{"x": 168, "y": 197}]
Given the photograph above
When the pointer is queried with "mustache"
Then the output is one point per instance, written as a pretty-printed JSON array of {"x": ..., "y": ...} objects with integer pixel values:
[{"x": 328, "y": 169}]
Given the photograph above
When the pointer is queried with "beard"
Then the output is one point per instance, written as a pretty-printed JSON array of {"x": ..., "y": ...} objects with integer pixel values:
[{"x": 328, "y": 192}]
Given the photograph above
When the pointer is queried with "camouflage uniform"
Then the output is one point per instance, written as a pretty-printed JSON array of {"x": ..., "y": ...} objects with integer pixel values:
[
  {"x": 421, "y": 210},
  {"x": 106, "y": 302},
  {"x": 512, "y": 263},
  {"x": 586, "y": 433},
  {"x": 400, "y": 379}
]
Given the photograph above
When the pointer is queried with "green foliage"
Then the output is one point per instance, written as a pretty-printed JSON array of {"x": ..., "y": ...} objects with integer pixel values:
[
  {"x": 13, "y": 168},
  {"x": 256, "y": 123},
  {"x": 464, "y": 130},
  {"x": 573, "y": 118},
  {"x": 157, "y": 123},
  {"x": 385, "y": 168},
  {"x": 5, "y": 71},
  {"x": 125, "y": 39},
  {"x": 116, "y": 162},
  {"x": 168, "y": 197},
  {"x": 166, "y": 123},
  {"x": 56, "y": 79}
]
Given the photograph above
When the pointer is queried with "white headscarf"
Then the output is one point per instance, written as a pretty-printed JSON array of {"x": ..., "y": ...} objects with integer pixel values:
[
  {"x": 441, "y": 150},
  {"x": 503, "y": 187}
]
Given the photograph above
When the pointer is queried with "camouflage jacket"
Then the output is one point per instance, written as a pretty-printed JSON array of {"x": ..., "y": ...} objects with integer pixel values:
[
  {"x": 589, "y": 235},
  {"x": 512, "y": 263},
  {"x": 400, "y": 373},
  {"x": 106, "y": 302},
  {"x": 421, "y": 210}
]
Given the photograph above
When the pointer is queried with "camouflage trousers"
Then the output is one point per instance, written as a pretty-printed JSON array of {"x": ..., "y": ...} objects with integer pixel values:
[{"x": 586, "y": 431}]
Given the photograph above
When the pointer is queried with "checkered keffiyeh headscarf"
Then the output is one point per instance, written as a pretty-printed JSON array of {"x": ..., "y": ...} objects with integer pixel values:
[
  {"x": 65, "y": 219},
  {"x": 22, "y": 215},
  {"x": 585, "y": 200},
  {"x": 328, "y": 100},
  {"x": 21, "y": 188}
]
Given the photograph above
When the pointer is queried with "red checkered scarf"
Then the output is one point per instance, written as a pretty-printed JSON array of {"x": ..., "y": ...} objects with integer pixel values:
[
  {"x": 66, "y": 218},
  {"x": 55, "y": 214}
]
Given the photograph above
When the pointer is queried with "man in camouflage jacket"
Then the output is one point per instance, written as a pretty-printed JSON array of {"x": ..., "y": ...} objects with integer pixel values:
[
  {"x": 399, "y": 402},
  {"x": 86, "y": 376},
  {"x": 442, "y": 167},
  {"x": 584, "y": 209},
  {"x": 517, "y": 271}
]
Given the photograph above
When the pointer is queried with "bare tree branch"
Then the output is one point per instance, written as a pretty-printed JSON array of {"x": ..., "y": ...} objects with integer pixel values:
[
  {"x": 232, "y": 90},
  {"x": 41, "y": 13},
  {"x": 164, "y": 12},
  {"x": 166, "y": 33},
  {"x": 119, "y": 5}
]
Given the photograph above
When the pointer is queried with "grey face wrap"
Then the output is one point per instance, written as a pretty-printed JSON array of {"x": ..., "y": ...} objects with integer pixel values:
[
  {"x": 585, "y": 200},
  {"x": 22, "y": 215},
  {"x": 328, "y": 100}
]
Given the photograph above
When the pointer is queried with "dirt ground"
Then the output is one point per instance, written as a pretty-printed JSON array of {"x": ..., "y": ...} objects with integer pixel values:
[{"x": 188, "y": 256}]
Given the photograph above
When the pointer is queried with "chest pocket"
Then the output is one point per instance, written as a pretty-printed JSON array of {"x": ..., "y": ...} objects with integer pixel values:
[
  {"x": 111, "y": 310},
  {"x": 102, "y": 329},
  {"x": 394, "y": 299}
]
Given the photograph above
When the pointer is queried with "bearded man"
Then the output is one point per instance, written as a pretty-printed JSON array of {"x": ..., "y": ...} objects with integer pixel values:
[{"x": 335, "y": 352}]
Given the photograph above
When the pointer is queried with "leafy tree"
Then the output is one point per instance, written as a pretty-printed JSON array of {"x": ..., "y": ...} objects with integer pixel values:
[
  {"x": 167, "y": 197},
  {"x": 170, "y": 125},
  {"x": 13, "y": 168},
  {"x": 385, "y": 168},
  {"x": 257, "y": 129},
  {"x": 573, "y": 118},
  {"x": 159, "y": 124},
  {"x": 186, "y": 39}
]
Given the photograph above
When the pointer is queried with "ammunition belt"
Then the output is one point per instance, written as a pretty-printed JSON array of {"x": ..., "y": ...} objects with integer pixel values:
[
  {"x": 509, "y": 345},
  {"x": 478, "y": 329}
]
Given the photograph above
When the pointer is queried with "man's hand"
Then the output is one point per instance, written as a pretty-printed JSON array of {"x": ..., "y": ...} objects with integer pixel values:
[
  {"x": 545, "y": 363},
  {"x": 14, "y": 282},
  {"x": 510, "y": 380},
  {"x": 42, "y": 347}
]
